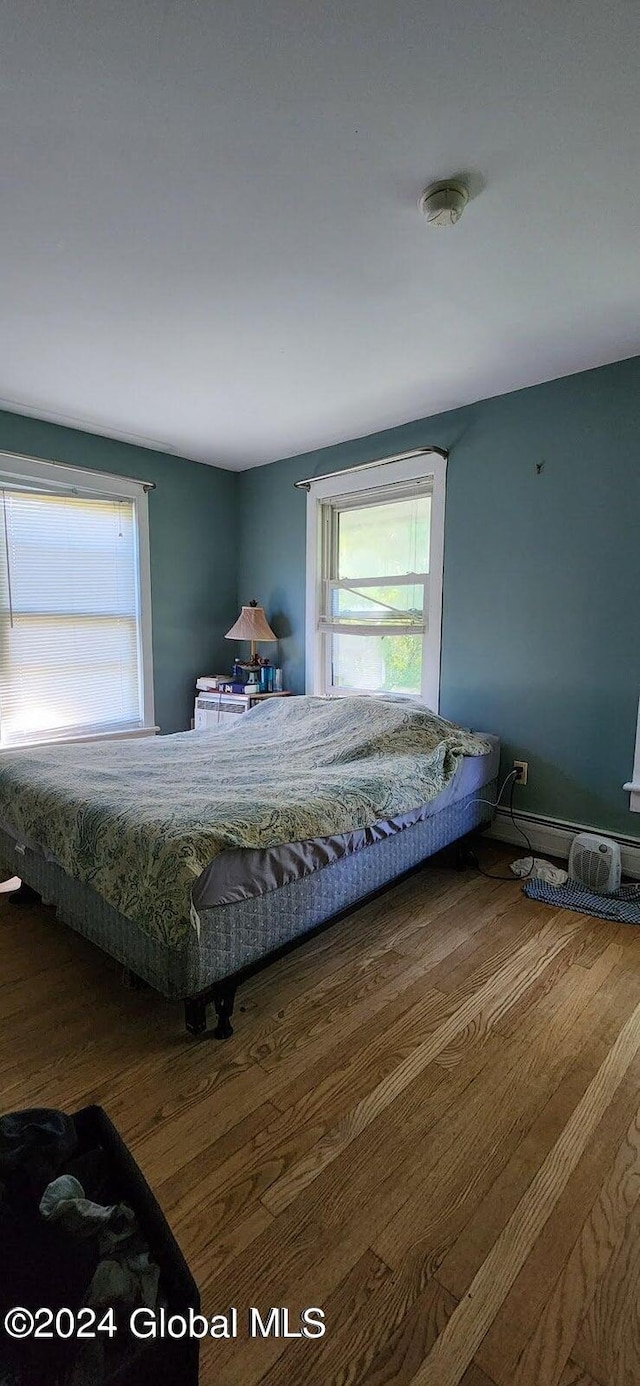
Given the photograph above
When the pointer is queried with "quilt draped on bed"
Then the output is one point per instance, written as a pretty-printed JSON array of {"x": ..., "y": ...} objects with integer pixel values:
[{"x": 140, "y": 820}]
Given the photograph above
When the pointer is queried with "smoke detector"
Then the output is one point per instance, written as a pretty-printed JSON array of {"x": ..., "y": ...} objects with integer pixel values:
[{"x": 442, "y": 204}]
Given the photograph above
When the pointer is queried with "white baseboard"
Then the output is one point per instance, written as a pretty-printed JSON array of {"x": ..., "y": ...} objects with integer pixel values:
[{"x": 554, "y": 836}]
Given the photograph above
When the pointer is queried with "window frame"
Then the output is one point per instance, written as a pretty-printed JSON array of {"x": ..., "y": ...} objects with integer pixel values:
[
  {"x": 58, "y": 478},
  {"x": 421, "y": 466},
  {"x": 633, "y": 785}
]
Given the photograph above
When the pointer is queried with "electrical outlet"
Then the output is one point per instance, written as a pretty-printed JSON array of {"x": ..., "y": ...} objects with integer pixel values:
[{"x": 522, "y": 770}]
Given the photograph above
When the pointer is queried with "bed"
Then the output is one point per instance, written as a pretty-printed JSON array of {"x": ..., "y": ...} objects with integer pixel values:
[{"x": 196, "y": 858}]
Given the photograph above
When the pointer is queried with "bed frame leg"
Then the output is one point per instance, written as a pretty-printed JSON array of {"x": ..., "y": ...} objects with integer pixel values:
[
  {"x": 195, "y": 1011},
  {"x": 195, "y": 1017},
  {"x": 132, "y": 981},
  {"x": 462, "y": 853},
  {"x": 24, "y": 895},
  {"x": 223, "y": 1001}
]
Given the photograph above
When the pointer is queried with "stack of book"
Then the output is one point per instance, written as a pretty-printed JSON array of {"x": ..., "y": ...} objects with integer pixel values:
[{"x": 210, "y": 683}]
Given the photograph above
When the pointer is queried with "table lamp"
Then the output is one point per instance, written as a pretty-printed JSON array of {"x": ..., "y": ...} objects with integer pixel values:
[{"x": 251, "y": 625}]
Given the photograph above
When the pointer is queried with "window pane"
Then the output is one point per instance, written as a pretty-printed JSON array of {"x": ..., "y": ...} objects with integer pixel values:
[
  {"x": 377, "y": 663},
  {"x": 384, "y": 540},
  {"x": 378, "y": 604}
]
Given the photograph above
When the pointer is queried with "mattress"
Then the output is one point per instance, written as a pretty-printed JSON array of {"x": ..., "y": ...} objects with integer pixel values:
[
  {"x": 142, "y": 822},
  {"x": 245, "y": 873}
]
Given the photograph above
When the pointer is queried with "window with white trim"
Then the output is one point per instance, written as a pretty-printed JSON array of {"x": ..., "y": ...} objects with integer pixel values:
[
  {"x": 75, "y": 618},
  {"x": 633, "y": 786},
  {"x": 374, "y": 579}
]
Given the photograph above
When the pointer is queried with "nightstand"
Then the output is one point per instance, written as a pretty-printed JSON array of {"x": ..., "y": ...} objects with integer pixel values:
[{"x": 214, "y": 709}]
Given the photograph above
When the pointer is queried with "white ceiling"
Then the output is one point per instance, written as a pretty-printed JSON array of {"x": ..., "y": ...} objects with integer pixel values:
[{"x": 209, "y": 237}]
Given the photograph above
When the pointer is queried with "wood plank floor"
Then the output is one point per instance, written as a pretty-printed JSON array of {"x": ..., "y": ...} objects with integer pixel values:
[{"x": 427, "y": 1123}]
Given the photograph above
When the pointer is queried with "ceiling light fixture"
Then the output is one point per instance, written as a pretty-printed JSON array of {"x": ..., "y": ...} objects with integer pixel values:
[{"x": 442, "y": 204}]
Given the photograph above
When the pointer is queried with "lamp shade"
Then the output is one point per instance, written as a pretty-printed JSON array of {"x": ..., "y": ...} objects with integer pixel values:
[{"x": 252, "y": 625}]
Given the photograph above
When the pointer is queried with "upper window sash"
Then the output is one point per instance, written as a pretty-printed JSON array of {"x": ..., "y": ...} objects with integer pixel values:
[{"x": 379, "y": 495}]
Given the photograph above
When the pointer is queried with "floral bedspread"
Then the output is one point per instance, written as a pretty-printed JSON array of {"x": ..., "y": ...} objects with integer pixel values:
[{"x": 139, "y": 820}]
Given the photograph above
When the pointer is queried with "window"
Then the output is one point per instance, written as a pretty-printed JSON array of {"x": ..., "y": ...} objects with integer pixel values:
[
  {"x": 633, "y": 786},
  {"x": 75, "y": 631},
  {"x": 374, "y": 579}
]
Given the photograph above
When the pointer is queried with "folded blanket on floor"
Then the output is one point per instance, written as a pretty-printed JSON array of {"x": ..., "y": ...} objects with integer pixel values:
[{"x": 622, "y": 904}]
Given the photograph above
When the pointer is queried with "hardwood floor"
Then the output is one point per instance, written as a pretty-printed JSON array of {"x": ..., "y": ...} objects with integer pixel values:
[{"x": 427, "y": 1124}]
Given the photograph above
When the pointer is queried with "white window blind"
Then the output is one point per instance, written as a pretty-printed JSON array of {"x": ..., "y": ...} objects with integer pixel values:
[{"x": 70, "y": 617}]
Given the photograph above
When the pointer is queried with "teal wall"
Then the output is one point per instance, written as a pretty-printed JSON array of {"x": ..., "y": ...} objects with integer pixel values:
[
  {"x": 192, "y": 515},
  {"x": 542, "y": 571},
  {"x": 541, "y": 639}
]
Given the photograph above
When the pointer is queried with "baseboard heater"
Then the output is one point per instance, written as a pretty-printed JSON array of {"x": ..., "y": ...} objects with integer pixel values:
[{"x": 553, "y": 837}]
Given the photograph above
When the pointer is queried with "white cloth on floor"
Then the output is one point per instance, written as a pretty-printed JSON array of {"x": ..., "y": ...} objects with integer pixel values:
[{"x": 537, "y": 869}]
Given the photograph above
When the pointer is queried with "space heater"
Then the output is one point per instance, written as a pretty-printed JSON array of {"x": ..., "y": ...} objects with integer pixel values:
[{"x": 595, "y": 862}]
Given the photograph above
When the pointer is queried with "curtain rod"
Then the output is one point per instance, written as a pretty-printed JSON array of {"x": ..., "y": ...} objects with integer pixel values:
[
  {"x": 78, "y": 467},
  {"x": 307, "y": 483}
]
